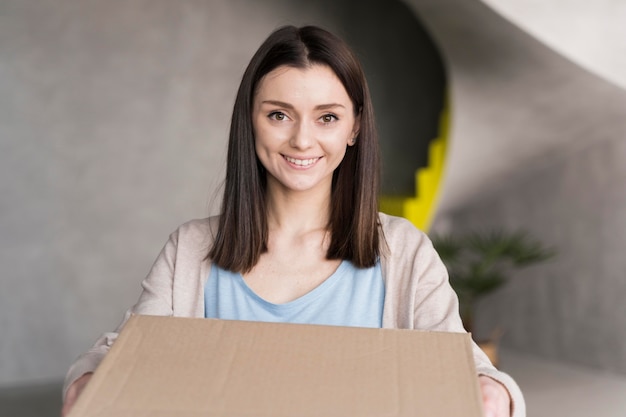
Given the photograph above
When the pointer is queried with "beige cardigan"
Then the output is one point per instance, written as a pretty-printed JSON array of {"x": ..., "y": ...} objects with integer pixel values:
[{"x": 417, "y": 291}]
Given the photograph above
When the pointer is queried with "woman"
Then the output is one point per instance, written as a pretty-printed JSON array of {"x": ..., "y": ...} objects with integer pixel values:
[{"x": 299, "y": 238}]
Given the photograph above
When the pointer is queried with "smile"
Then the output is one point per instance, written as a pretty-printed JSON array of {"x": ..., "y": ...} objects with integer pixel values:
[{"x": 301, "y": 162}]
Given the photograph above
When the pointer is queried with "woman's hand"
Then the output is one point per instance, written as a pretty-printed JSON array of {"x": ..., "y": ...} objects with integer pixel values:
[
  {"x": 496, "y": 400},
  {"x": 73, "y": 392}
]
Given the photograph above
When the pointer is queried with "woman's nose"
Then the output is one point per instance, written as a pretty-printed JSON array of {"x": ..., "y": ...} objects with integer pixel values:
[{"x": 302, "y": 136}]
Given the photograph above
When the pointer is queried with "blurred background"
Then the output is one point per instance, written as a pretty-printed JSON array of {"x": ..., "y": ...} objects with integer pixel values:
[{"x": 114, "y": 119}]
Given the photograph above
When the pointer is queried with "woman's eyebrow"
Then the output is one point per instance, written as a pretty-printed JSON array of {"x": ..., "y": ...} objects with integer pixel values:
[
  {"x": 328, "y": 106},
  {"x": 278, "y": 103}
]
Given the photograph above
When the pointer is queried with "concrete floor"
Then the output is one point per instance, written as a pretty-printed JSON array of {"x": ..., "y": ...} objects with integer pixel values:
[
  {"x": 41, "y": 400},
  {"x": 559, "y": 389},
  {"x": 551, "y": 389}
]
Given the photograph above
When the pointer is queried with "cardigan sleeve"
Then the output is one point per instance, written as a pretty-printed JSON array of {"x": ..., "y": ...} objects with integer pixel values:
[
  {"x": 155, "y": 299},
  {"x": 421, "y": 297},
  {"x": 436, "y": 308}
]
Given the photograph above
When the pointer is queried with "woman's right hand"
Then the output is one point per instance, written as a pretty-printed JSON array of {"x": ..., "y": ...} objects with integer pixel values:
[{"x": 73, "y": 392}]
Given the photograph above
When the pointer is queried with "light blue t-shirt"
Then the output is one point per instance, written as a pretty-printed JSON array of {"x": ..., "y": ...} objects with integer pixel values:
[{"x": 349, "y": 297}]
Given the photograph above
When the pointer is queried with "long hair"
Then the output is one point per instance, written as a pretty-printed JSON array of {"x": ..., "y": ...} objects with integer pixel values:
[{"x": 242, "y": 234}]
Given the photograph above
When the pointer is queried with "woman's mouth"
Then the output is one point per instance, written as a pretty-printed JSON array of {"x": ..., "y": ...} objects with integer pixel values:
[{"x": 301, "y": 162}]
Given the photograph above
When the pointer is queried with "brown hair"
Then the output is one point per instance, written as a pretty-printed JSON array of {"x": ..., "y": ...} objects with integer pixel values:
[{"x": 242, "y": 233}]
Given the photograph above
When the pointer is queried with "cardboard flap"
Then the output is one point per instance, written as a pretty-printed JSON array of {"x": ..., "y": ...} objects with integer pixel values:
[{"x": 164, "y": 366}]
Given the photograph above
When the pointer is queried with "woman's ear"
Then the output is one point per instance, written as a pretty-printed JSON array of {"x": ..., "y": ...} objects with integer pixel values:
[{"x": 355, "y": 130}]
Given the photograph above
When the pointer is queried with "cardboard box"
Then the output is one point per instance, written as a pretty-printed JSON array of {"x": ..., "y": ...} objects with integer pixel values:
[{"x": 164, "y": 366}]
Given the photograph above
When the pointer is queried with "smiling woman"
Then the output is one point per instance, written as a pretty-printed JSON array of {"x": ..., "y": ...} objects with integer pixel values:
[{"x": 299, "y": 238}]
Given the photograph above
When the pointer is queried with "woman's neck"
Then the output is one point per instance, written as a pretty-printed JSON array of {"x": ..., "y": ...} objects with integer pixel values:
[{"x": 297, "y": 212}]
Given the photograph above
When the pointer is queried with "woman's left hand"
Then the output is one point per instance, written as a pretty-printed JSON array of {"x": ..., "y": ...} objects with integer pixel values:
[{"x": 496, "y": 400}]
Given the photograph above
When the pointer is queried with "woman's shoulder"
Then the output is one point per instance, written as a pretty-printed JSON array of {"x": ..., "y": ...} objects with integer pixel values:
[
  {"x": 402, "y": 238},
  {"x": 200, "y": 225},
  {"x": 399, "y": 227},
  {"x": 197, "y": 231}
]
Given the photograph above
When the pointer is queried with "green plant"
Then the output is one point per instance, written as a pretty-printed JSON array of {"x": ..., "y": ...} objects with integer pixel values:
[{"x": 479, "y": 263}]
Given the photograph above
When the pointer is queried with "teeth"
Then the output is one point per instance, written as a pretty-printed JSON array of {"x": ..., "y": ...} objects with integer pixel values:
[{"x": 301, "y": 162}]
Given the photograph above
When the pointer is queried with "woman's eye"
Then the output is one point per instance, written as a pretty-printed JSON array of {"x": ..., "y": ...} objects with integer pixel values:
[
  {"x": 277, "y": 115},
  {"x": 328, "y": 118}
]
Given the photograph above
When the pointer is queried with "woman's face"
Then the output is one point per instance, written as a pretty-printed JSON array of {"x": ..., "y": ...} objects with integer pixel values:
[{"x": 303, "y": 121}]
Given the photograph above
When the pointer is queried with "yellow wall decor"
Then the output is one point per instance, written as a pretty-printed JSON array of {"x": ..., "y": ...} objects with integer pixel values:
[{"x": 420, "y": 208}]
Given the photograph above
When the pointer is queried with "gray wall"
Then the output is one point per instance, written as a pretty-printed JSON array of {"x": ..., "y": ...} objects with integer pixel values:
[
  {"x": 113, "y": 126},
  {"x": 571, "y": 308},
  {"x": 538, "y": 143}
]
